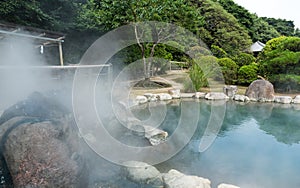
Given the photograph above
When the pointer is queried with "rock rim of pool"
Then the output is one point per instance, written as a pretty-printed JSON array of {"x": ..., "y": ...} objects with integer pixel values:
[
  {"x": 145, "y": 174},
  {"x": 214, "y": 96}
]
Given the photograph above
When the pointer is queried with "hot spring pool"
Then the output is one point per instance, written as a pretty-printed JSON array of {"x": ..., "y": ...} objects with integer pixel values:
[{"x": 258, "y": 145}]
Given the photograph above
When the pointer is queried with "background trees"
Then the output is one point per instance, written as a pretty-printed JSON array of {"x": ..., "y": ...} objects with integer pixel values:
[
  {"x": 227, "y": 28},
  {"x": 111, "y": 14},
  {"x": 224, "y": 27}
]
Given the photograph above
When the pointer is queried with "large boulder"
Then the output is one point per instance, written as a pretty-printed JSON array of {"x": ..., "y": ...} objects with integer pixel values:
[
  {"x": 176, "y": 179},
  {"x": 260, "y": 90},
  {"x": 40, "y": 146},
  {"x": 142, "y": 173}
]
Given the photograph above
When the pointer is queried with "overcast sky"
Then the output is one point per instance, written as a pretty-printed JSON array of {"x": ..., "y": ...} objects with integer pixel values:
[{"x": 284, "y": 9}]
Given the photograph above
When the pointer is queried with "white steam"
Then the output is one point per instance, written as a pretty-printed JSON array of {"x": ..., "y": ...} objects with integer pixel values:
[{"x": 19, "y": 75}]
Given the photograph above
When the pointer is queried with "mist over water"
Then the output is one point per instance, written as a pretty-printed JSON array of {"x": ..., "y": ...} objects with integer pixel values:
[{"x": 22, "y": 71}]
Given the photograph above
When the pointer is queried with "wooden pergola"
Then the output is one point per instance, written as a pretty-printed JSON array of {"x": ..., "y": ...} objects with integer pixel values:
[{"x": 41, "y": 37}]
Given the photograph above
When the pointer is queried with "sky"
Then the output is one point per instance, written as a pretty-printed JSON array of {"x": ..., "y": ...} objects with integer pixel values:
[{"x": 284, "y": 9}]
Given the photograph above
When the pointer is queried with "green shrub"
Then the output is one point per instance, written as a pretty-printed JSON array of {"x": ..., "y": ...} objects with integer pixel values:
[
  {"x": 286, "y": 82},
  {"x": 229, "y": 70},
  {"x": 218, "y": 52},
  {"x": 198, "y": 51},
  {"x": 203, "y": 68},
  {"x": 247, "y": 74},
  {"x": 244, "y": 59}
]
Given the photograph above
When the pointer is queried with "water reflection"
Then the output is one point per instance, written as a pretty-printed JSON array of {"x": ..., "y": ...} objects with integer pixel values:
[{"x": 256, "y": 147}]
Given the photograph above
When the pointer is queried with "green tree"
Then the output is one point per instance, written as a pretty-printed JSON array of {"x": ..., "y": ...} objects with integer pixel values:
[
  {"x": 227, "y": 33},
  {"x": 263, "y": 31},
  {"x": 280, "y": 61},
  {"x": 51, "y": 14},
  {"x": 244, "y": 17},
  {"x": 283, "y": 26},
  {"x": 111, "y": 14}
]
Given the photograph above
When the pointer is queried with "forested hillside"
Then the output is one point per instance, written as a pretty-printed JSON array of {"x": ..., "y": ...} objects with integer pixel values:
[{"x": 225, "y": 27}]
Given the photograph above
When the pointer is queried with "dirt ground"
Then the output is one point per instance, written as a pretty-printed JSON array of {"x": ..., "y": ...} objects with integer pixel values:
[{"x": 177, "y": 77}]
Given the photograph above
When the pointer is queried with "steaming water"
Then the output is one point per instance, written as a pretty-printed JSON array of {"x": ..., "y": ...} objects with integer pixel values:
[{"x": 258, "y": 146}]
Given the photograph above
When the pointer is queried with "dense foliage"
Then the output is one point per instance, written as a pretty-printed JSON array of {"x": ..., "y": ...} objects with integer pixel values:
[
  {"x": 280, "y": 62},
  {"x": 224, "y": 26},
  {"x": 247, "y": 74}
]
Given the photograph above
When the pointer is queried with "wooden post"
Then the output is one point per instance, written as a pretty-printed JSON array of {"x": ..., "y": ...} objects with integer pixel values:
[{"x": 60, "y": 54}]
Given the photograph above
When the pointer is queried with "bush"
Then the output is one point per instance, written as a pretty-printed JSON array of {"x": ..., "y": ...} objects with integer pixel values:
[
  {"x": 280, "y": 62},
  {"x": 198, "y": 51},
  {"x": 244, "y": 59},
  {"x": 247, "y": 74},
  {"x": 286, "y": 82},
  {"x": 229, "y": 70},
  {"x": 203, "y": 68},
  {"x": 218, "y": 52},
  {"x": 198, "y": 77}
]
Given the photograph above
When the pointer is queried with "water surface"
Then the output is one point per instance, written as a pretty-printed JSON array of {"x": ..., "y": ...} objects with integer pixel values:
[{"x": 258, "y": 146}]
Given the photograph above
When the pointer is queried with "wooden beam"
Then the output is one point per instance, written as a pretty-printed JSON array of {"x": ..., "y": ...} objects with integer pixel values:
[
  {"x": 60, "y": 54},
  {"x": 31, "y": 36}
]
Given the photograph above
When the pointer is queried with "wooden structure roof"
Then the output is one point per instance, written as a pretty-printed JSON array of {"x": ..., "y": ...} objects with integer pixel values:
[
  {"x": 40, "y": 37},
  {"x": 257, "y": 46}
]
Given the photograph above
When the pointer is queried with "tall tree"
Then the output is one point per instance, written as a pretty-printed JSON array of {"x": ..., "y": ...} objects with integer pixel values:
[
  {"x": 224, "y": 27},
  {"x": 283, "y": 26},
  {"x": 46, "y": 14},
  {"x": 263, "y": 31},
  {"x": 244, "y": 17},
  {"x": 109, "y": 14}
]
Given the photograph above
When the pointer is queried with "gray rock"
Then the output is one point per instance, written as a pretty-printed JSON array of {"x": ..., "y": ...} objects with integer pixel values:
[
  {"x": 199, "y": 95},
  {"x": 216, "y": 96},
  {"x": 142, "y": 173},
  {"x": 241, "y": 98},
  {"x": 187, "y": 95},
  {"x": 260, "y": 90},
  {"x": 164, "y": 96},
  {"x": 149, "y": 95},
  {"x": 230, "y": 91},
  {"x": 154, "y": 135},
  {"x": 175, "y": 93},
  {"x": 283, "y": 99},
  {"x": 296, "y": 100},
  {"x": 223, "y": 185},
  {"x": 176, "y": 179},
  {"x": 141, "y": 99}
]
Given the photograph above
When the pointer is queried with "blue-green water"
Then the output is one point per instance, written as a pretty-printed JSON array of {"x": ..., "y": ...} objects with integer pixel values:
[{"x": 258, "y": 146}]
